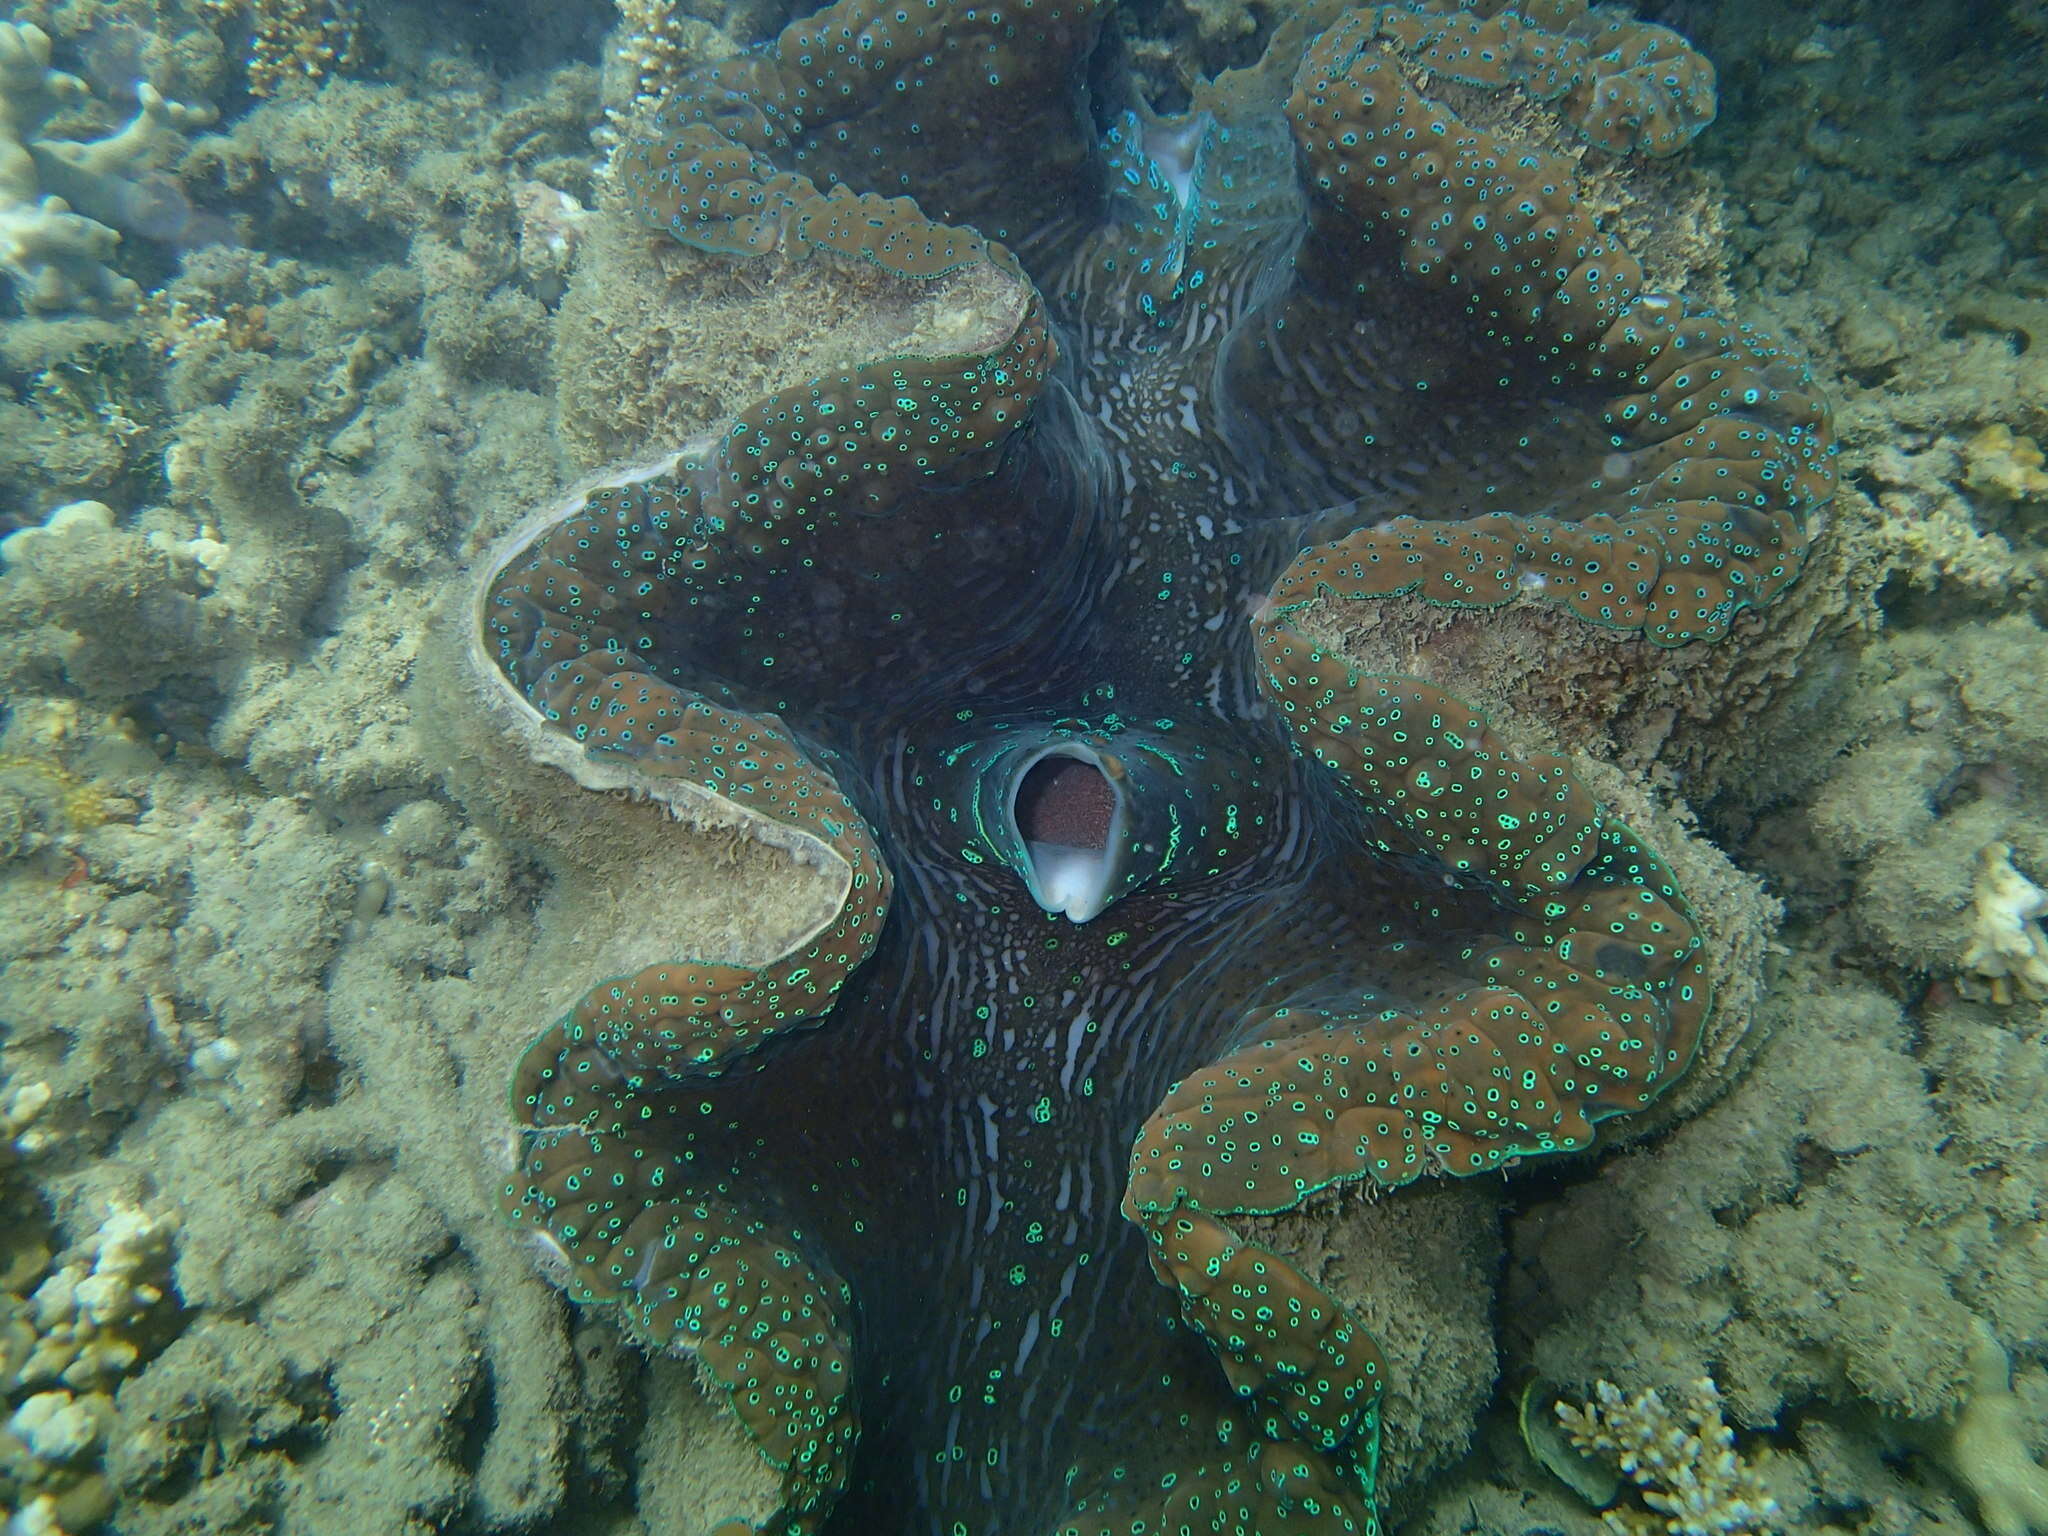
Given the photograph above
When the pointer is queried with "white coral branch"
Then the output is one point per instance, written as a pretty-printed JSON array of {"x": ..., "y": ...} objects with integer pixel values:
[
  {"x": 64, "y": 201},
  {"x": 1683, "y": 1458}
]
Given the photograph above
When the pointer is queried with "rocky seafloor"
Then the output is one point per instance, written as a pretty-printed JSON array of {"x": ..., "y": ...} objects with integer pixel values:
[{"x": 278, "y": 907}]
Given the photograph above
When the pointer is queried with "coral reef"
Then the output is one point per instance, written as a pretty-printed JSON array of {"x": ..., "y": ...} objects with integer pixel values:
[
  {"x": 282, "y": 911},
  {"x": 1942, "y": 741},
  {"x": 202, "y": 979},
  {"x": 64, "y": 202}
]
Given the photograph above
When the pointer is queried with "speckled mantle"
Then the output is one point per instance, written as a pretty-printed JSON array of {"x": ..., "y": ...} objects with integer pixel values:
[{"x": 957, "y": 623}]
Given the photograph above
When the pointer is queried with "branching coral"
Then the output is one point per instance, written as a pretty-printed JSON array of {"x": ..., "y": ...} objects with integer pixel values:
[
  {"x": 64, "y": 202},
  {"x": 1681, "y": 1456},
  {"x": 293, "y": 40},
  {"x": 650, "y": 51},
  {"x": 1624, "y": 84}
]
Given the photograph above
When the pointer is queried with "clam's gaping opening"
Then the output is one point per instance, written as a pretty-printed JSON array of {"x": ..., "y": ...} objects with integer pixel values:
[{"x": 1069, "y": 815}]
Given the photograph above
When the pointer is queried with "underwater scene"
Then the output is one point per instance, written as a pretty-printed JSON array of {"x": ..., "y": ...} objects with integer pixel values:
[{"x": 1023, "y": 767}]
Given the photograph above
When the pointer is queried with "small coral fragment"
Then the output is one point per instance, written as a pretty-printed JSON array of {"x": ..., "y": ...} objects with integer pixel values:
[
  {"x": 72, "y": 518},
  {"x": 86, "y": 1312},
  {"x": 1681, "y": 1456},
  {"x": 68, "y": 1344},
  {"x": 57, "y": 1427},
  {"x": 19, "y": 1109},
  {"x": 2005, "y": 467},
  {"x": 2007, "y": 958}
]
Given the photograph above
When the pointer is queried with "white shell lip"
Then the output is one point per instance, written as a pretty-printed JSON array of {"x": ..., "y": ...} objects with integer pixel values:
[
  {"x": 613, "y": 772},
  {"x": 504, "y": 696}
]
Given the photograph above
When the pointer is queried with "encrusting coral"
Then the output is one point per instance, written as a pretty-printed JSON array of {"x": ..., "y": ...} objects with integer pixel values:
[{"x": 64, "y": 202}]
